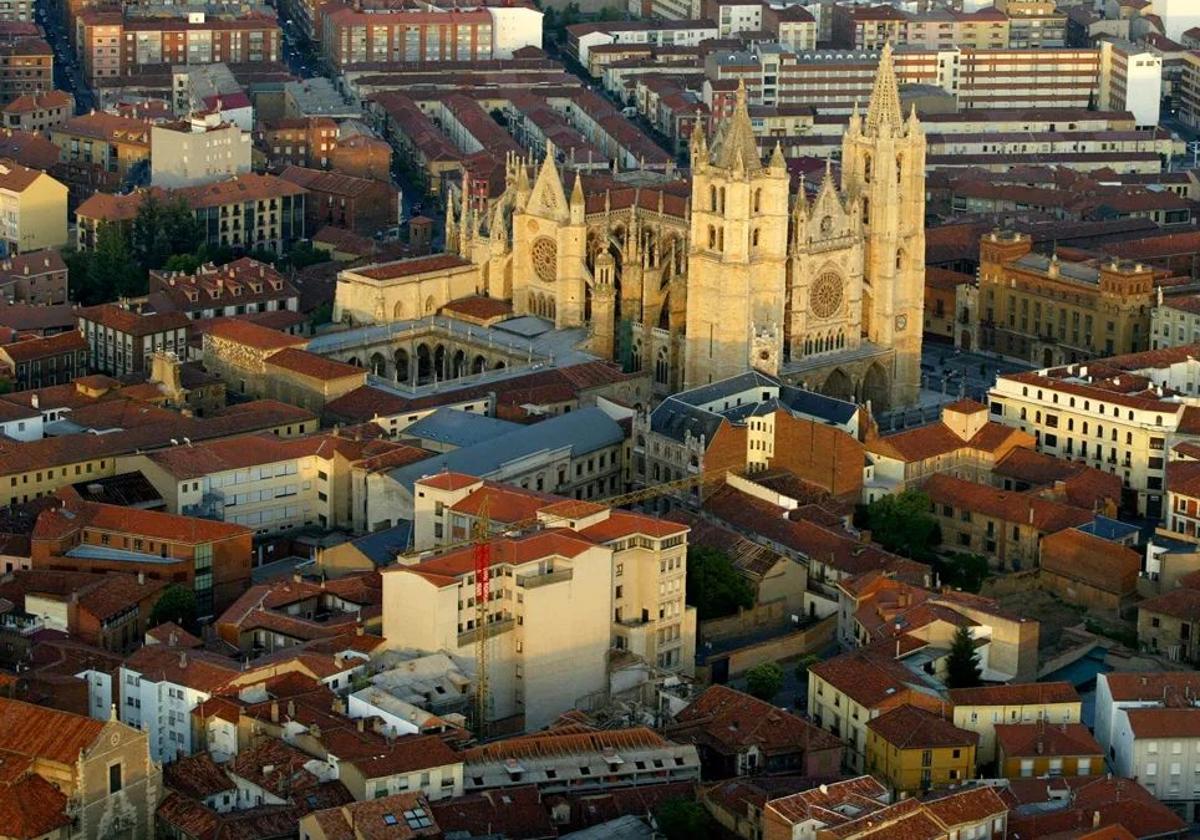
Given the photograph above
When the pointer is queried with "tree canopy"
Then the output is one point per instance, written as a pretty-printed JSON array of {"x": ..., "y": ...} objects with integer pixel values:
[
  {"x": 682, "y": 819},
  {"x": 764, "y": 681},
  {"x": 163, "y": 229},
  {"x": 902, "y": 523},
  {"x": 177, "y": 604},
  {"x": 962, "y": 665},
  {"x": 714, "y": 586}
]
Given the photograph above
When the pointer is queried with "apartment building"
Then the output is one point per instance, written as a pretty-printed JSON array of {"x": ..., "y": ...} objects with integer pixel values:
[
  {"x": 268, "y": 484},
  {"x": 868, "y": 27},
  {"x": 1115, "y": 414},
  {"x": 1049, "y": 311},
  {"x": 297, "y": 141},
  {"x": 1169, "y": 623},
  {"x": 1042, "y": 749},
  {"x": 581, "y": 37},
  {"x": 197, "y": 150},
  {"x": 249, "y": 211},
  {"x": 1034, "y": 24},
  {"x": 241, "y": 287},
  {"x": 121, "y": 341},
  {"x": 1118, "y": 692},
  {"x": 38, "y": 278},
  {"x": 980, "y": 710},
  {"x": 1131, "y": 77},
  {"x": 913, "y": 751},
  {"x": 211, "y": 558},
  {"x": 370, "y": 34},
  {"x": 848, "y": 691},
  {"x": 26, "y": 67},
  {"x": 650, "y": 617},
  {"x": 38, "y": 362},
  {"x": 105, "y": 141},
  {"x": 1157, "y": 743},
  {"x": 37, "y": 113},
  {"x": 115, "y": 44},
  {"x": 33, "y": 209}
]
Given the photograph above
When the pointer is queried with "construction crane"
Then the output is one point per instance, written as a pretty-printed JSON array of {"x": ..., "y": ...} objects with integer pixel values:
[{"x": 481, "y": 541}]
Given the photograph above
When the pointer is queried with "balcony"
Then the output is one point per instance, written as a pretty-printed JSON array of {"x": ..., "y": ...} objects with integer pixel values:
[
  {"x": 495, "y": 628},
  {"x": 544, "y": 579}
]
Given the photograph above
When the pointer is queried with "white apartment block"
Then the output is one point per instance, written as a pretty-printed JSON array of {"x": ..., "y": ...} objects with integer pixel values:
[
  {"x": 197, "y": 150},
  {"x": 1088, "y": 412},
  {"x": 1175, "y": 321},
  {"x": 1130, "y": 80}
]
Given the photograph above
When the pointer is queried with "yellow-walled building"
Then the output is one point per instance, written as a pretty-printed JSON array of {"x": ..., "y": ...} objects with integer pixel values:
[
  {"x": 981, "y": 709},
  {"x": 1034, "y": 750},
  {"x": 912, "y": 750},
  {"x": 33, "y": 209}
]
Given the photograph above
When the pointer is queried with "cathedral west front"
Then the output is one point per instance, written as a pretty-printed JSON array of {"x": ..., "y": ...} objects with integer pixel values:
[{"x": 695, "y": 280}]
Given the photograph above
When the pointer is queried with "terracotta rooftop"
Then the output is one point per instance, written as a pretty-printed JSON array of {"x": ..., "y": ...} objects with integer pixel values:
[
  {"x": 304, "y": 363},
  {"x": 1034, "y": 739},
  {"x": 729, "y": 721},
  {"x": 1098, "y": 562},
  {"x": 36, "y": 732},
  {"x": 252, "y": 335},
  {"x": 132, "y": 323},
  {"x": 1177, "y": 603},
  {"x": 31, "y": 807},
  {"x": 1007, "y": 506},
  {"x": 74, "y": 516},
  {"x": 1152, "y": 685},
  {"x": 1019, "y": 694},
  {"x": 937, "y": 439},
  {"x": 910, "y": 728},
  {"x": 197, "y": 776},
  {"x": 412, "y": 267},
  {"x": 42, "y": 348}
]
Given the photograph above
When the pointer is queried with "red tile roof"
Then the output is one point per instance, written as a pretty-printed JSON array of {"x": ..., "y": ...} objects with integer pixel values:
[
  {"x": 311, "y": 365},
  {"x": 1164, "y": 723},
  {"x": 910, "y": 728},
  {"x": 1033, "y": 739},
  {"x": 77, "y": 515},
  {"x": 252, "y": 335},
  {"x": 40, "y": 733},
  {"x": 1153, "y": 685},
  {"x": 31, "y": 807},
  {"x": 135, "y": 324},
  {"x": 413, "y": 266},
  {"x": 42, "y": 348},
  {"x": 1178, "y": 603},
  {"x": 1015, "y": 694},
  {"x": 1007, "y": 506},
  {"x": 729, "y": 721}
]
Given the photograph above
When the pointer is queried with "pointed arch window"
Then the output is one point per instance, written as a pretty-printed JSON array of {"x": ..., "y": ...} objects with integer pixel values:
[
  {"x": 712, "y": 237},
  {"x": 721, "y": 239},
  {"x": 866, "y": 169},
  {"x": 662, "y": 367},
  {"x": 757, "y": 200},
  {"x": 722, "y": 199},
  {"x": 712, "y": 199},
  {"x": 754, "y": 238}
]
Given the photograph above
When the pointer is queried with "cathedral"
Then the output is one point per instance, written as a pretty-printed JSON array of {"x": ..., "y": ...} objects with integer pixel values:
[{"x": 697, "y": 281}]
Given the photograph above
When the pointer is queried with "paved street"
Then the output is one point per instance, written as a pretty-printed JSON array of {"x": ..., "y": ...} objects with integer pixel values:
[
  {"x": 947, "y": 375},
  {"x": 68, "y": 75}
]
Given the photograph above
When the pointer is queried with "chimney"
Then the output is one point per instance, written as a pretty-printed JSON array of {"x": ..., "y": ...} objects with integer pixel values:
[
  {"x": 1095, "y": 819},
  {"x": 34, "y": 401},
  {"x": 359, "y": 723},
  {"x": 274, "y": 711},
  {"x": 141, "y": 578},
  {"x": 291, "y": 709},
  {"x": 183, "y": 659},
  {"x": 824, "y": 789}
]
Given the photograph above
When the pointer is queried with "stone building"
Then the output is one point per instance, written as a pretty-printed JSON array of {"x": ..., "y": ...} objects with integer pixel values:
[
  {"x": 704, "y": 280},
  {"x": 1048, "y": 311}
]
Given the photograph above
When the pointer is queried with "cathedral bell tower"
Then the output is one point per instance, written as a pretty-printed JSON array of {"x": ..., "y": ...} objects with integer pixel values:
[
  {"x": 737, "y": 253},
  {"x": 883, "y": 170}
]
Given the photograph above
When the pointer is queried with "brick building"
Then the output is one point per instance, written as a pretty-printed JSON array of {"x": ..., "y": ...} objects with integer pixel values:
[
  {"x": 114, "y": 45},
  {"x": 249, "y": 211},
  {"x": 211, "y": 558},
  {"x": 362, "y": 157},
  {"x": 1089, "y": 571},
  {"x": 26, "y": 67},
  {"x": 297, "y": 141},
  {"x": 357, "y": 204}
]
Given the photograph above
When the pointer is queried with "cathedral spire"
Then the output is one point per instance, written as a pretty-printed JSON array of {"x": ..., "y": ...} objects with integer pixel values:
[
  {"x": 884, "y": 111},
  {"x": 778, "y": 163},
  {"x": 577, "y": 203},
  {"x": 735, "y": 143}
]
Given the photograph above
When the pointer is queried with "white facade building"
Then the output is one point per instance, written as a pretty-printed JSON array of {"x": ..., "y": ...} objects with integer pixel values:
[
  {"x": 1131, "y": 80},
  {"x": 197, "y": 150}
]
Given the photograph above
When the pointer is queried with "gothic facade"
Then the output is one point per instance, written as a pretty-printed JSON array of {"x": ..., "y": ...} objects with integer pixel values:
[{"x": 699, "y": 280}]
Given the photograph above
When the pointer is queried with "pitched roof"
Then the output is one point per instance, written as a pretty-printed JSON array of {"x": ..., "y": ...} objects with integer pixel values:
[
  {"x": 1178, "y": 603},
  {"x": 910, "y": 728},
  {"x": 1005, "y": 505},
  {"x": 1153, "y": 685},
  {"x": 1098, "y": 562},
  {"x": 1041, "y": 738},
  {"x": 76, "y": 515},
  {"x": 39, "y": 732},
  {"x": 197, "y": 776},
  {"x": 1015, "y": 694},
  {"x": 868, "y": 679},
  {"x": 133, "y": 323},
  {"x": 729, "y": 721},
  {"x": 252, "y": 335},
  {"x": 308, "y": 364},
  {"x": 938, "y": 439},
  {"x": 41, "y": 348},
  {"x": 31, "y": 807},
  {"x": 1164, "y": 723}
]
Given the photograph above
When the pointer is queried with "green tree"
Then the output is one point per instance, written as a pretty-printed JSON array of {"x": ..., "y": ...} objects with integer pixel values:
[
  {"x": 902, "y": 523},
  {"x": 962, "y": 665},
  {"x": 764, "y": 681},
  {"x": 714, "y": 586},
  {"x": 177, "y": 604},
  {"x": 806, "y": 662},
  {"x": 163, "y": 229},
  {"x": 112, "y": 271},
  {"x": 682, "y": 819}
]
